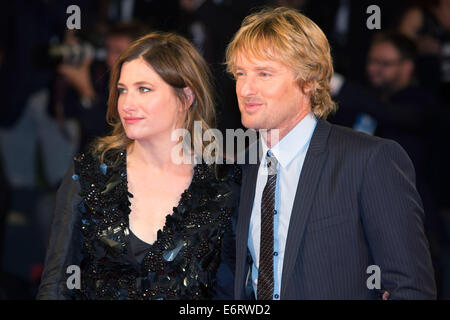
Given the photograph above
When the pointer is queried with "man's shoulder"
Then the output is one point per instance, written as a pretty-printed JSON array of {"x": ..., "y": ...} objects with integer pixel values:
[
  {"x": 346, "y": 139},
  {"x": 342, "y": 143}
]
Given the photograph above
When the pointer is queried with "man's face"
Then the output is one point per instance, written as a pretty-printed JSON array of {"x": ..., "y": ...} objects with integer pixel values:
[
  {"x": 384, "y": 66},
  {"x": 268, "y": 94}
]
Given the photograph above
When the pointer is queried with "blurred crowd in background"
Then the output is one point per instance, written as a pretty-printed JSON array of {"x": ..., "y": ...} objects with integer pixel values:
[{"x": 392, "y": 82}]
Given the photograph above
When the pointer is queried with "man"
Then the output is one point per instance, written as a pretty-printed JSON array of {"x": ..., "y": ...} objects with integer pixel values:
[
  {"x": 411, "y": 116},
  {"x": 408, "y": 111},
  {"x": 325, "y": 202}
]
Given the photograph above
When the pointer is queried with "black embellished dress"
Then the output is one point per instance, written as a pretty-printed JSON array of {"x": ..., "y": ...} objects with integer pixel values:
[{"x": 192, "y": 258}]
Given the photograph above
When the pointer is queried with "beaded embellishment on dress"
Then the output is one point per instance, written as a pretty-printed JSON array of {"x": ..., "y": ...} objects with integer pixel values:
[{"x": 181, "y": 263}]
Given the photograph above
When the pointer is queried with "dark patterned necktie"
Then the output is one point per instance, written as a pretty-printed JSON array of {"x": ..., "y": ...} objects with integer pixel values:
[{"x": 265, "y": 272}]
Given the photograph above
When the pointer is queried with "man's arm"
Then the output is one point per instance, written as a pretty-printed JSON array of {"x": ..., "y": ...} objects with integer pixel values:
[{"x": 392, "y": 216}]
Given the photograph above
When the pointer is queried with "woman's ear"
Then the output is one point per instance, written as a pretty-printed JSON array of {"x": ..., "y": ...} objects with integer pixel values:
[{"x": 190, "y": 97}]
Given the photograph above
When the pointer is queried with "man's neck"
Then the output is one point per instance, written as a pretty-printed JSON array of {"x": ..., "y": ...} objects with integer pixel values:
[{"x": 273, "y": 136}]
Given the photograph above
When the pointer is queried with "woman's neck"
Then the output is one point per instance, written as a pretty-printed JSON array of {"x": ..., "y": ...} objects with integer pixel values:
[{"x": 156, "y": 154}]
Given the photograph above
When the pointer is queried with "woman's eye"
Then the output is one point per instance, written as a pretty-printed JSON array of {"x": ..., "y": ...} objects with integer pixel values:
[
  {"x": 144, "y": 89},
  {"x": 239, "y": 74},
  {"x": 120, "y": 90}
]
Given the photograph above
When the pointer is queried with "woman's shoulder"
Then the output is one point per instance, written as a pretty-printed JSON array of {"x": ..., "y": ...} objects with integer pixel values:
[
  {"x": 89, "y": 167},
  {"x": 218, "y": 182},
  {"x": 226, "y": 172}
]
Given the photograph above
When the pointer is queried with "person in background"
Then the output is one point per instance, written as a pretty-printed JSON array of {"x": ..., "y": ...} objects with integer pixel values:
[
  {"x": 409, "y": 114},
  {"x": 83, "y": 94},
  {"x": 427, "y": 23}
]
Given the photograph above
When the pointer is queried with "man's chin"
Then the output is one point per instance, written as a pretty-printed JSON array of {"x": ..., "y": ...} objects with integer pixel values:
[{"x": 250, "y": 123}]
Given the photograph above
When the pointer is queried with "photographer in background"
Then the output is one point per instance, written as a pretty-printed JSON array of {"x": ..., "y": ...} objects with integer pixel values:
[
  {"x": 82, "y": 92},
  {"x": 34, "y": 152},
  {"x": 395, "y": 106}
]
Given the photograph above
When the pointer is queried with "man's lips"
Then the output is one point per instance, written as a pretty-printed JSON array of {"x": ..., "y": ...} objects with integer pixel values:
[
  {"x": 252, "y": 106},
  {"x": 131, "y": 120}
]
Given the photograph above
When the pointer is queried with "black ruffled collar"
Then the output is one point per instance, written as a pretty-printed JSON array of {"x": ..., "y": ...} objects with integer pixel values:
[{"x": 187, "y": 246}]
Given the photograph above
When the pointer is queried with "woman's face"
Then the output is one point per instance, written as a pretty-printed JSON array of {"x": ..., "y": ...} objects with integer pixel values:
[{"x": 147, "y": 105}]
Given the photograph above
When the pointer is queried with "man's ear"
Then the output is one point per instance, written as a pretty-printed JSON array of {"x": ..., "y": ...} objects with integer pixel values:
[
  {"x": 307, "y": 87},
  {"x": 190, "y": 97}
]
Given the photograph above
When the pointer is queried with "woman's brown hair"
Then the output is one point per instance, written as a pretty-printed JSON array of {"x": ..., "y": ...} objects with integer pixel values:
[{"x": 179, "y": 64}]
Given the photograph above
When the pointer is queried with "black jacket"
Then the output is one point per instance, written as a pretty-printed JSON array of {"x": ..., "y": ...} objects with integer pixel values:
[
  {"x": 356, "y": 205},
  {"x": 192, "y": 258}
]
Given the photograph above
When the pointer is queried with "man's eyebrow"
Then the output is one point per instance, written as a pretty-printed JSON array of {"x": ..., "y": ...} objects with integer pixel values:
[
  {"x": 265, "y": 68},
  {"x": 259, "y": 68}
]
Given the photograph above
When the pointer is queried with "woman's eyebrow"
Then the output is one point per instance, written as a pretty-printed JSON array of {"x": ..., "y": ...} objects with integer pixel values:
[
  {"x": 136, "y": 83},
  {"x": 142, "y": 82}
]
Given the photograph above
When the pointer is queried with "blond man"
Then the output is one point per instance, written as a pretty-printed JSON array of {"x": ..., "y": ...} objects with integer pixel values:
[{"x": 327, "y": 213}]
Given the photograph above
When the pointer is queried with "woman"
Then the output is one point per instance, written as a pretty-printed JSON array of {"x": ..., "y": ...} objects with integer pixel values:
[{"x": 138, "y": 223}]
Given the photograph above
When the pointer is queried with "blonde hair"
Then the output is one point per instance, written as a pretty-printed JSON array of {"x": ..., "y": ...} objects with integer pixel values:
[
  {"x": 179, "y": 64},
  {"x": 289, "y": 37}
]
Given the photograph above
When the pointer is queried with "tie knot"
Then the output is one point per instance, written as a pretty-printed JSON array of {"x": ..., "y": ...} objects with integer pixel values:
[{"x": 272, "y": 163}]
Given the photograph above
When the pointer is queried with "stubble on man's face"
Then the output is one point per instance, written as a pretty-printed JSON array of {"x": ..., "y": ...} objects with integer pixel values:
[{"x": 269, "y": 95}]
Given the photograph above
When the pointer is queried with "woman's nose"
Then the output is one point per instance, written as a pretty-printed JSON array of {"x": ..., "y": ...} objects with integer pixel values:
[{"x": 128, "y": 103}]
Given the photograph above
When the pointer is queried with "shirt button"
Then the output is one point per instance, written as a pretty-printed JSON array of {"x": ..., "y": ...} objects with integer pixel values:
[
  {"x": 275, "y": 254},
  {"x": 275, "y": 212},
  {"x": 276, "y": 296}
]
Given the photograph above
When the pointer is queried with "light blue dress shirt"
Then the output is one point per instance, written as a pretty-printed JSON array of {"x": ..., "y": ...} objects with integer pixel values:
[{"x": 290, "y": 153}]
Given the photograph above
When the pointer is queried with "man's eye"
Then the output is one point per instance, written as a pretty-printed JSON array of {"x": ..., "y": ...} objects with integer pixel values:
[
  {"x": 264, "y": 74},
  {"x": 144, "y": 89}
]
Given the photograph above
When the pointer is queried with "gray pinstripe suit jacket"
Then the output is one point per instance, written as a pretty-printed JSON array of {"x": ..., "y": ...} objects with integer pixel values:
[{"x": 356, "y": 205}]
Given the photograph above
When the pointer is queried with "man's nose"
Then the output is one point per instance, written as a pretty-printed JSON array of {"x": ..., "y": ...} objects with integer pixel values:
[{"x": 246, "y": 86}]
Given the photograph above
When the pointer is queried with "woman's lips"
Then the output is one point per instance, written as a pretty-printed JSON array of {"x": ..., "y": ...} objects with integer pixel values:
[{"x": 131, "y": 120}]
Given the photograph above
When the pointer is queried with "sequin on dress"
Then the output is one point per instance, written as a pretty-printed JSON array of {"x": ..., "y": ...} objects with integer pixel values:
[{"x": 182, "y": 262}]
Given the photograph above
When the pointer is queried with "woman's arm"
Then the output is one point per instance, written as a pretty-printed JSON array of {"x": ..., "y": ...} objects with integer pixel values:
[
  {"x": 224, "y": 284},
  {"x": 64, "y": 232}
]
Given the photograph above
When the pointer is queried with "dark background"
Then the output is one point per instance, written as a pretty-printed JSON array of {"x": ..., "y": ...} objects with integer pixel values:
[{"x": 34, "y": 131}]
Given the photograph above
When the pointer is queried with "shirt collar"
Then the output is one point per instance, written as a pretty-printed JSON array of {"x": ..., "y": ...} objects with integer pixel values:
[{"x": 295, "y": 141}]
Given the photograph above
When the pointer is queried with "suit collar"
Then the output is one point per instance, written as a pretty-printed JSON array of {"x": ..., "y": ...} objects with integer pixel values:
[
  {"x": 309, "y": 179},
  {"x": 295, "y": 141},
  {"x": 250, "y": 174}
]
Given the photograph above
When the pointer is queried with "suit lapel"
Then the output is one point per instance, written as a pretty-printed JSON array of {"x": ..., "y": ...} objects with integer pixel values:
[
  {"x": 243, "y": 223},
  {"x": 306, "y": 188}
]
